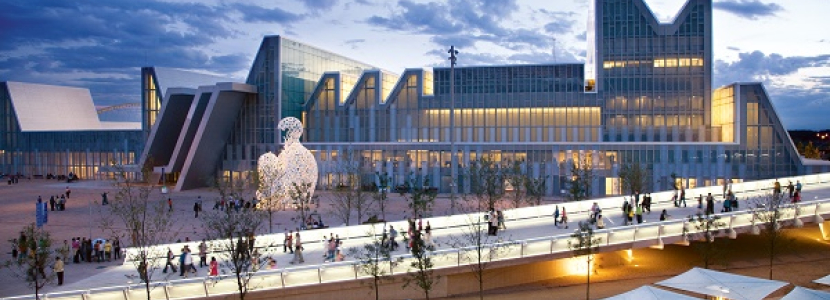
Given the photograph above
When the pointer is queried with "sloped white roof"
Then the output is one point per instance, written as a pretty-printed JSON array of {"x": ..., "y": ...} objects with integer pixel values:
[
  {"x": 720, "y": 284},
  {"x": 824, "y": 280},
  {"x": 800, "y": 293},
  {"x": 650, "y": 293},
  {"x": 41, "y": 107},
  {"x": 176, "y": 78}
]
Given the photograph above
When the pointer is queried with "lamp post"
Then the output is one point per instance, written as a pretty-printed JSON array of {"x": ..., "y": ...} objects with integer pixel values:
[{"x": 453, "y": 163}]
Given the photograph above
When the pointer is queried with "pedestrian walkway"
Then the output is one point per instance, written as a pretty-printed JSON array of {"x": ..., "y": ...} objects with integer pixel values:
[{"x": 530, "y": 232}]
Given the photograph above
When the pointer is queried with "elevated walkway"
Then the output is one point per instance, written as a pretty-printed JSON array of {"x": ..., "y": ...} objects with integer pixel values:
[{"x": 531, "y": 238}]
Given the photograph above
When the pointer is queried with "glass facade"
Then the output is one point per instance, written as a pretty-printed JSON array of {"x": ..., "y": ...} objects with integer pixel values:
[
  {"x": 645, "y": 96},
  {"x": 60, "y": 152}
]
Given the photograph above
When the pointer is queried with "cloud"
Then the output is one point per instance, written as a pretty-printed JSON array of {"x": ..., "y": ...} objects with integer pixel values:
[
  {"x": 101, "y": 45},
  {"x": 749, "y": 9},
  {"x": 757, "y": 66},
  {"x": 801, "y": 104}
]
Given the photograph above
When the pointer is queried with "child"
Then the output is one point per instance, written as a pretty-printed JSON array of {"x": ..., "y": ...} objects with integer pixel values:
[{"x": 214, "y": 267}]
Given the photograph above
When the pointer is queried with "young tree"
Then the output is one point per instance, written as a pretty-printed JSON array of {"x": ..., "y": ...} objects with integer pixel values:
[
  {"x": 349, "y": 197},
  {"x": 517, "y": 179},
  {"x": 372, "y": 259},
  {"x": 707, "y": 227},
  {"x": 487, "y": 181},
  {"x": 146, "y": 222},
  {"x": 535, "y": 188},
  {"x": 301, "y": 196},
  {"x": 421, "y": 273},
  {"x": 581, "y": 179},
  {"x": 271, "y": 198},
  {"x": 380, "y": 195},
  {"x": 232, "y": 236},
  {"x": 769, "y": 211},
  {"x": 633, "y": 177},
  {"x": 475, "y": 244},
  {"x": 584, "y": 243},
  {"x": 420, "y": 199},
  {"x": 35, "y": 266}
]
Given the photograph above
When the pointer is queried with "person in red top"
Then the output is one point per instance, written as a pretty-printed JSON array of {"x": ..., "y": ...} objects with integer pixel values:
[
  {"x": 170, "y": 204},
  {"x": 214, "y": 267}
]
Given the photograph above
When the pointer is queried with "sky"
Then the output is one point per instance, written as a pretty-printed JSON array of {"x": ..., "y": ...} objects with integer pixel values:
[{"x": 101, "y": 45}]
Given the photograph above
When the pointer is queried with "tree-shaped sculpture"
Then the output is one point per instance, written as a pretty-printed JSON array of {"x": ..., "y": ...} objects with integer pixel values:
[{"x": 294, "y": 165}]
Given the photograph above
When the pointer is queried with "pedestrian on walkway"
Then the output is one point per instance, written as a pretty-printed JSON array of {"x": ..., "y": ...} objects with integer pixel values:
[
  {"x": 169, "y": 261},
  {"x": 214, "y": 267},
  {"x": 639, "y": 213},
  {"x": 710, "y": 204},
  {"x": 59, "y": 269},
  {"x": 169, "y": 204},
  {"x": 298, "y": 250},
  {"x": 203, "y": 254},
  {"x": 682, "y": 196},
  {"x": 196, "y": 209},
  {"x": 564, "y": 220},
  {"x": 556, "y": 216},
  {"x": 68, "y": 191}
]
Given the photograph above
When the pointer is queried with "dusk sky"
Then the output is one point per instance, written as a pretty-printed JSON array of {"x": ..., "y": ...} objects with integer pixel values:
[{"x": 101, "y": 45}]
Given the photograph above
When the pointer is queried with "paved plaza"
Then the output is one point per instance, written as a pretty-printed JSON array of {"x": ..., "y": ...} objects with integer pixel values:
[{"x": 75, "y": 221}]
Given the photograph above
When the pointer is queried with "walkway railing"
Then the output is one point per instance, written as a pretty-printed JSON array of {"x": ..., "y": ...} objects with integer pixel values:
[{"x": 641, "y": 235}]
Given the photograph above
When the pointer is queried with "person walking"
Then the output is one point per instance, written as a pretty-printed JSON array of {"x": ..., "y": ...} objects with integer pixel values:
[
  {"x": 116, "y": 245},
  {"x": 556, "y": 216},
  {"x": 710, "y": 204},
  {"x": 108, "y": 250},
  {"x": 286, "y": 241},
  {"x": 639, "y": 213},
  {"x": 214, "y": 267},
  {"x": 298, "y": 250},
  {"x": 196, "y": 209},
  {"x": 393, "y": 234},
  {"x": 682, "y": 197},
  {"x": 51, "y": 203},
  {"x": 68, "y": 191},
  {"x": 181, "y": 262},
  {"x": 59, "y": 269},
  {"x": 169, "y": 262},
  {"x": 169, "y": 204},
  {"x": 203, "y": 254},
  {"x": 564, "y": 220}
]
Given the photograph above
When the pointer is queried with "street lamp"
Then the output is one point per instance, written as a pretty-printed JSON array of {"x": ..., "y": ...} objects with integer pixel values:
[{"x": 453, "y": 166}]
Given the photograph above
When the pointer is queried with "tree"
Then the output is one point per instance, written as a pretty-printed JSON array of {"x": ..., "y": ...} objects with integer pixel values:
[
  {"x": 633, "y": 177},
  {"x": 271, "y": 199},
  {"x": 487, "y": 181},
  {"x": 232, "y": 236},
  {"x": 372, "y": 260},
  {"x": 381, "y": 193},
  {"x": 421, "y": 198},
  {"x": 536, "y": 188},
  {"x": 808, "y": 150},
  {"x": 421, "y": 273},
  {"x": 581, "y": 179},
  {"x": 350, "y": 197},
  {"x": 301, "y": 196},
  {"x": 475, "y": 244},
  {"x": 768, "y": 210},
  {"x": 34, "y": 266},
  {"x": 146, "y": 222},
  {"x": 583, "y": 243},
  {"x": 518, "y": 182},
  {"x": 707, "y": 227}
]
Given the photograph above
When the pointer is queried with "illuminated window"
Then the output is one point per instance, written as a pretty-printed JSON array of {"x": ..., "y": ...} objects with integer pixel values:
[{"x": 659, "y": 63}]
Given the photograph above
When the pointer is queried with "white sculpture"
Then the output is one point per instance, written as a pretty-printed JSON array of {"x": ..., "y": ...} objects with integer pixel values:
[{"x": 294, "y": 165}]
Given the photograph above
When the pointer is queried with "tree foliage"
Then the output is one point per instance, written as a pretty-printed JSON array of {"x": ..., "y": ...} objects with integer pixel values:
[
  {"x": 421, "y": 272},
  {"x": 145, "y": 222},
  {"x": 707, "y": 227},
  {"x": 581, "y": 179},
  {"x": 487, "y": 181},
  {"x": 769, "y": 211},
  {"x": 373, "y": 259},
  {"x": 34, "y": 266},
  {"x": 584, "y": 244},
  {"x": 633, "y": 177},
  {"x": 349, "y": 197},
  {"x": 808, "y": 150},
  {"x": 421, "y": 198}
]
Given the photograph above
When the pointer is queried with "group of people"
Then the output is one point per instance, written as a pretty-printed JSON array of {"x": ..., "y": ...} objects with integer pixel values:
[
  {"x": 57, "y": 202},
  {"x": 234, "y": 204},
  {"x": 98, "y": 251},
  {"x": 794, "y": 190}
]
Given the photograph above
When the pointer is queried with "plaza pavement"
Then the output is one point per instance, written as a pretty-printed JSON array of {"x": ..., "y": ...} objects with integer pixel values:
[{"x": 74, "y": 222}]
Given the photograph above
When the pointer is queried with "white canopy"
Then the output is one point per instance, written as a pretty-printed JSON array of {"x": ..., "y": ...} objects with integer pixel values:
[
  {"x": 650, "y": 293},
  {"x": 800, "y": 293},
  {"x": 824, "y": 280},
  {"x": 720, "y": 284}
]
